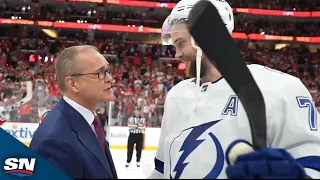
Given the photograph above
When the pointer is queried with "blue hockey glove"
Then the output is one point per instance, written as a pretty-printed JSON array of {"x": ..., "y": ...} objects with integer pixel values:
[{"x": 266, "y": 163}]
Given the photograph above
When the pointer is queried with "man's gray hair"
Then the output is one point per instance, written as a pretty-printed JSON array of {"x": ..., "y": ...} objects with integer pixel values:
[{"x": 65, "y": 63}]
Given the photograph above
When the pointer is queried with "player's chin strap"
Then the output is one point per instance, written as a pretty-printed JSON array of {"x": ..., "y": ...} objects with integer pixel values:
[{"x": 198, "y": 61}]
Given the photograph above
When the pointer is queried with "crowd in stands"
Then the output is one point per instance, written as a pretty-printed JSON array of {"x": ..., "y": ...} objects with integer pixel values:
[
  {"x": 290, "y": 5},
  {"x": 136, "y": 81},
  {"x": 130, "y": 16},
  {"x": 295, "y": 5},
  {"x": 282, "y": 28},
  {"x": 134, "y": 86}
]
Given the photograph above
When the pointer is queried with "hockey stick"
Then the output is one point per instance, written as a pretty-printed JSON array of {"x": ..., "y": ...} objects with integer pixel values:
[
  {"x": 16, "y": 105},
  {"x": 212, "y": 36}
]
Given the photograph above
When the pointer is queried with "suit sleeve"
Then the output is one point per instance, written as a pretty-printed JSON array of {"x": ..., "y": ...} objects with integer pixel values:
[
  {"x": 62, "y": 156},
  {"x": 293, "y": 125}
]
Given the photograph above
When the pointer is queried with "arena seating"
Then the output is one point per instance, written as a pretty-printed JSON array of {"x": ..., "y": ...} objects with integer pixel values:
[
  {"x": 130, "y": 16},
  {"x": 297, "y": 5}
]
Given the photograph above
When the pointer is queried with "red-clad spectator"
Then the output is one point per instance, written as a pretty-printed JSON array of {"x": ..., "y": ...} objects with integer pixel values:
[{"x": 25, "y": 112}]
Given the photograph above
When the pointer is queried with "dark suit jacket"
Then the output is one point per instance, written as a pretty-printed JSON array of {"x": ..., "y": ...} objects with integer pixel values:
[{"x": 66, "y": 140}]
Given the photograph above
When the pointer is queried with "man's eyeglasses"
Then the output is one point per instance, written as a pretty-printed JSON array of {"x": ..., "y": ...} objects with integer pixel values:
[{"x": 101, "y": 74}]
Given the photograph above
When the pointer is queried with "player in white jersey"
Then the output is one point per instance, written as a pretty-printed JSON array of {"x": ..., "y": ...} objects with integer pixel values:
[{"x": 201, "y": 124}]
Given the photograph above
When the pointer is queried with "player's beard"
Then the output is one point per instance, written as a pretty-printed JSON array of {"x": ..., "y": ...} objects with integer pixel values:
[{"x": 192, "y": 69}]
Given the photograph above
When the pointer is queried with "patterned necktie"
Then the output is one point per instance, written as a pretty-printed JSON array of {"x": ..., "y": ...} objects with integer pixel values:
[{"x": 99, "y": 132}]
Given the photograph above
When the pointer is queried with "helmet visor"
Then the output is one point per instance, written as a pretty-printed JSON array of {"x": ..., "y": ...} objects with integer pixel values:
[{"x": 169, "y": 27}]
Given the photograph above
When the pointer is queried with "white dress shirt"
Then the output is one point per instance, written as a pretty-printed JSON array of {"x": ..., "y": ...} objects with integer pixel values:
[{"x": 86, "y": 113}]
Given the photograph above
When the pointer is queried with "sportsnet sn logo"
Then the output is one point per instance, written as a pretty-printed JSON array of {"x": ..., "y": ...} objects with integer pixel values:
[{"x": 19, "y": 166}]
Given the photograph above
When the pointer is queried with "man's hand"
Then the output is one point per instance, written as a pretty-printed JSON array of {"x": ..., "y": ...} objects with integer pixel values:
[{"x": 266, "y": 163}]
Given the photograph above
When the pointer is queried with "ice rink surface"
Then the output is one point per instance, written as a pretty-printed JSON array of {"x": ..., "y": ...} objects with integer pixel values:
[{"x": 133, "y": 172}]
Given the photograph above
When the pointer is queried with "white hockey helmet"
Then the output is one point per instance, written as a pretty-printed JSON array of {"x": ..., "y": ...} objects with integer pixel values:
[{"x": 180, "y": 14}]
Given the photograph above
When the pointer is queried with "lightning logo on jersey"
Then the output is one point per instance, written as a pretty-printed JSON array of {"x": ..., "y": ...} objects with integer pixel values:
[{"x": 192, "y": 145}]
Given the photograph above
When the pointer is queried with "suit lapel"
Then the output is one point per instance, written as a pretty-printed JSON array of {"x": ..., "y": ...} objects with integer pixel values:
[
  {"x": 87, "y": 139},
  {"x": 86, "y": 135},
  {"x": 110, "y": 159}
]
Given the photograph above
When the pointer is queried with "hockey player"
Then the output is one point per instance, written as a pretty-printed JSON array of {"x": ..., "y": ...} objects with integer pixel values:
[{"x": 201, "y": 123}]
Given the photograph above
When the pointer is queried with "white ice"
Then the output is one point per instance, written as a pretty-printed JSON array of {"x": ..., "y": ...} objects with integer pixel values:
[{"x": 133, "y": 172}]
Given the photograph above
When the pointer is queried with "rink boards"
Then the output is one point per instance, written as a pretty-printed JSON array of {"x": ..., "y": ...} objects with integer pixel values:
[{"x": 117, "y": 136}]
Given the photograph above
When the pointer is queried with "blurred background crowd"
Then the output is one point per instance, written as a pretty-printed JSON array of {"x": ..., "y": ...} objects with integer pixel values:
[{"x": 144, "y": 69}]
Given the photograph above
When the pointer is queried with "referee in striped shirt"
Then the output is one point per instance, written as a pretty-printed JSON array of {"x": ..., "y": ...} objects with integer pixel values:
[{"x": 137, "y": 125}]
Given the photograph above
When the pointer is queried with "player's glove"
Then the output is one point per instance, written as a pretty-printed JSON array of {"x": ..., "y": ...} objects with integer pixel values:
[{"x": 266, "y": 163}]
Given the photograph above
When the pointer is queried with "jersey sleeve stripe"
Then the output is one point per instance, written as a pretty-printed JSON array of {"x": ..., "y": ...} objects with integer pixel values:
[
  {"x": 311, "y": 162},
  {"x": 159, "y": 165}
]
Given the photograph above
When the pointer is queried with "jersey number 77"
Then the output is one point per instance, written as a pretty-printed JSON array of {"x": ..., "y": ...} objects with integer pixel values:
[{"x": 305, "y": 102}]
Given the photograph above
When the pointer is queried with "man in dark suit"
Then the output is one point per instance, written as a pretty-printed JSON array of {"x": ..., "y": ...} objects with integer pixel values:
[{"x": 71, "y": 136}]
